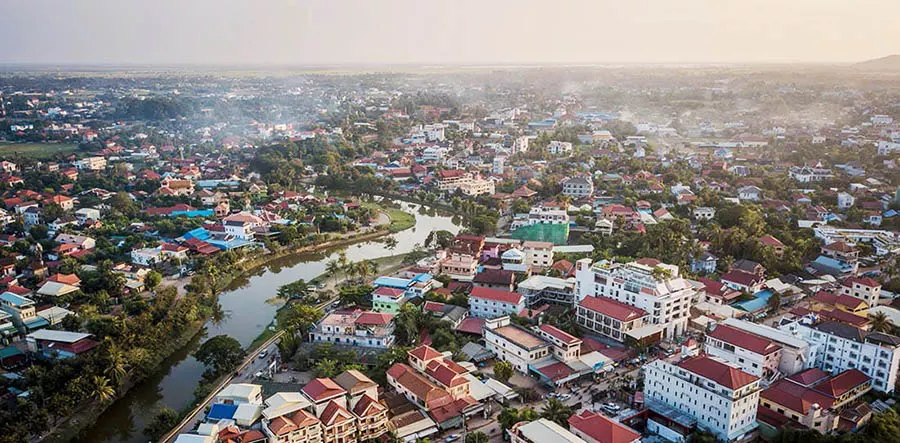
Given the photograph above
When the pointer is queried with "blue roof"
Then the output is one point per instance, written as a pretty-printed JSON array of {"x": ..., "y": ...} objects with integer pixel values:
[
  {"x": 15, "y": 300},
  {"x": 393, "y": 282},
  {"x": 221, "y": 410},
  {"x": 198, "y": 233},
  {"x": 230, "y": 244},
  {"x": 194, "y": 213},
  {"x": 890, "y": 213},
  {"x": 215, "y": 183},
  {"x": 832, "y": 263},
  {"x": 422, "y": 277},
  {"x": 37, "y": 323}
]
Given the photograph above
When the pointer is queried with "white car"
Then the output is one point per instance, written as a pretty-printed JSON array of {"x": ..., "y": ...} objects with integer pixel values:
[{"x": 258, "y": 374}]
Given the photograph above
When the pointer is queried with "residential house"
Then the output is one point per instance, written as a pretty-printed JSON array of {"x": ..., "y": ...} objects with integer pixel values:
[
  {"x": 355, "y": 328},
  {"x": 493, "y": 303}
]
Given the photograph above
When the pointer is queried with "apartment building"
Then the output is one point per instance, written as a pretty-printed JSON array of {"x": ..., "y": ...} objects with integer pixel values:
[
  {"x": 720, "y": 396},
  {"x": 652, "y": 286},
  {"x": 540, "y": 289},
  {"x": 355, "y": 328},
  {"x": 755, "y": 355},
  {"x": 559, "y": 148},
  {"x": 578, "y": 187},
  {"x": 838, "y": 346},
  {"x": 493, "y": 303},
  {"x": 477, "y": 186},
  {"x": 611, "y": 318},
  {"x": 514, "y": 344},
  {"x": 450, "y": 179},
  {"x": 90, "y": 163},
  {"x": 538, "y": 254},
  {"x": 796, "y": 354}
]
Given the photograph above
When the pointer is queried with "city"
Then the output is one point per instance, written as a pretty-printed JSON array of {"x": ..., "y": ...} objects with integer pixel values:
[{"x": 512, "y": 252}]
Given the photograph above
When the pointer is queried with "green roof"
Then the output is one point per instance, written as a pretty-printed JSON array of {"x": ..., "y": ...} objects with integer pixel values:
[{"x": 558, "y": 234}]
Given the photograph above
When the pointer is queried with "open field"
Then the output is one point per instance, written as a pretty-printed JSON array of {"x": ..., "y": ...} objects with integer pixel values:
[{"x": 35, "y": 150}]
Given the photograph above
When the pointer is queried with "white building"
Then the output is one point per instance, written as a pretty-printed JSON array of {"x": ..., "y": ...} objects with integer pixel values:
[
  {"x": 796, "y": 354},
  {"x": 845, "y": 201},
  {"x": 721, "y": 397},
  {"x": 578, "y": 187},
  {"x": 863, "y": 288},
  {"x": 477, "y": 186},
  {"x": 808, "y": 174},
  {"x": 498, "y": 165},
  {"x": 493, "y": 303},
  {"x": 886, "y": 147},
  {"x": 538, "y": 254},
  {"x": 881, "y": 119},
  {"x": 514, "y": 344},
  {"x": 755, "y": 355},
  {"x": 704, "y": 213},
  {"x": 521, "y": 144},
  {"x": 90, "y": 163},
  {"x": 648, "y": 284},
  {"x": 559, "y": 148},
  {"x": 838, "y": 346}
]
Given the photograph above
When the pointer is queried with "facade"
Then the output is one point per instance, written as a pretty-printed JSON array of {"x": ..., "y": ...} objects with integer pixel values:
[
  {"x": 538, "y": 254},
  {"x": 539, "y": 289},
  {"x": 559, "y": 148},
  {"x": 814, "y": 398},
  {"x": 450, "y": 179},
  {"x": 90, "y": 163},
  {"x": 654, "y": 287},
  {"x": 796, "y": 354},
  {"x": 838, "y": 346},
  {"x": 721, "y": 397},
  {"x": 610, "y": 318},
  {"x": 704, "y": 213},
  {"x": 355, "y": 328},
  {"x": 578, "y": 187},
  {"x": 808, "y": 174},
  {"x": 515, "y": 345},
  {"x": 385, "y": 299},
  {"x": 493, "y": 303},
  {"x": 755, "y": 355},
  {"x": 863, "y": 288}
]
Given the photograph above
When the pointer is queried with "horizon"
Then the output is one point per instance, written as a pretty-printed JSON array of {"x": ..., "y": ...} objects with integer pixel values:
[{"x": 465, "y": 33}]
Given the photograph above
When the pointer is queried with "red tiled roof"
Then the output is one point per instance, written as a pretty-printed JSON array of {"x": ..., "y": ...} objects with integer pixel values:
[
  {"x": 471, "y": 325},
  {"x": 555, "y": 371},
  {"x": 864, "y": 281},
  {"x": 374, "y": 318},
  {"x": 559, "y": 334},
  {"x": 845, "y": 317},
  {"x": 741, "y": 277},
  {"x": 612, "y": 308},
  {"x": 425, "y": 353},
  {"x": 335, "y": 414},
  {"x": 809, "y": 376},
  {"x": 385, "y": 291},
  {"x": 367, "y": 406},
  {"x": 743, "y": 339},
  {"x": 768, "y": 240},
  {"x": 839, "y": 246},
  {"x": 322, "y": 389},
  {"x": 795, "y": 397},
  {"x": 721, "y": 373},
  {"x": 602, "y": 429},
  {"x": 497, "y": 295},
  {"x": 839, "y": 384}
]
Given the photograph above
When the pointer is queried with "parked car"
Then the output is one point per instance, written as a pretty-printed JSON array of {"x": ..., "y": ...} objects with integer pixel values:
[{"x": 452, "y": 437}]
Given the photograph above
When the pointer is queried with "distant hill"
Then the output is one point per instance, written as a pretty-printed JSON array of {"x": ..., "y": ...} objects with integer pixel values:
[{"x": 889, "y": 63}]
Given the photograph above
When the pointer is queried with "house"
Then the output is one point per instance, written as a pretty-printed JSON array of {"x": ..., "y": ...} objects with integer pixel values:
[
  {"x": 704, "y": 213},
  {"x": 515, "y": 345},
  {"x": 743, "y": 281},
  {"x": 538, "y": 255},
  {"x": 594, "y": 427},
  {"x": 83, "y": 242},
  {"x": 720, "y": 396},
  {"x": 845, "y": 201},
  {"x": 242, "y": 225},
  {"x": 495, "y": 279},
  {"x": 240, "y": 393},
  {"x": 493, "y": 303},
  {"x": 772, "y": 242},
  {"x": 541, "y": 289},
  {"x": 355, "y": 328},
  {"x": 862, "y": 288},
  {"x": 750, "y": 193},
  {"x": 706, "y": 263},
  {"x": 32, "y": 216},
  {"x": 559, "y": 148},
  {"x": 540, "y": 431},
  {"x": 15, "y": 302},
  {"x": 807, "y": 174},
  {"x": 59, "y": 344},
  {"x": 64, "y": 202},
  {"x": 814, "y": 398},
  {"x": 90, "y": 164},
  {"x": 389, "y": 300},
  {"x": 755, "y": 355},
  {"x": 84, "y": 215}
]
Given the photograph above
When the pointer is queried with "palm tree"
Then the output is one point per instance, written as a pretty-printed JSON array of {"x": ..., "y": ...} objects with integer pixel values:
[
  {"x": 101, "y": 389},
  {"x": 881, "y": 322},
  {"x": 477, "y": 437},
  {"x": 556, "y": 411},
  {"x": 333, "y": 267}
]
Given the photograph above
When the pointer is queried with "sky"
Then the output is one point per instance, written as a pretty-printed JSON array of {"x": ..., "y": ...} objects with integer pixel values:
[{"x": 385, "y": 32}]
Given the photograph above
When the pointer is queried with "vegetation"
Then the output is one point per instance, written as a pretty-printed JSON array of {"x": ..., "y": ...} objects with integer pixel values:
[
  {"x": 220, "y": 355},
  {"x": 503, "y": 370}
]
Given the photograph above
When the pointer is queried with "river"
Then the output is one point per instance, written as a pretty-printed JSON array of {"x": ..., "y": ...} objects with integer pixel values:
[{"x": 247, "y": 314}]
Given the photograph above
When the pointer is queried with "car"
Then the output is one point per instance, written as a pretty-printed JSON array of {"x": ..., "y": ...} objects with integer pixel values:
[
  {"x": 452, "y": 437},
  {"x": 258, "y": 374},
  {"x": 564, "y": 396},
  {"x": 612, "y": 406},
  {"x": 263, "y": 354}
]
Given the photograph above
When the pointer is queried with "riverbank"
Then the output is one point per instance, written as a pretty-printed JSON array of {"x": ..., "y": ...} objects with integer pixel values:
[{"x": 74, "y": 427}]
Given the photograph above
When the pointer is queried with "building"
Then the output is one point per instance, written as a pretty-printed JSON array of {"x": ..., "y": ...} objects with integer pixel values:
[
  {"x": 593, "y": 427},
  {"x": 706, "y": 263},
  {"x": 539, "y": 289},
  {"x": 863, "y": 288},
  {"x": 807, "y": 174},
  {"x": 386, "y": 299},
  {"x": 614, "y": 319},
  {"x": 845, "y": 201},
  {"x": 449, "y": 180},
  {"x": 704, "y": 213},
  {"x": 477, "y": 186},
  {"x": 355, "y": 328},
  {"x": 837, "y": 346},
  {"x": 755, "y": 355},
  {"x": 559, "y": 148},
  {"x": 90, "y": 164},
  {"x": 796, "y": 354},
  {"x": 515, "y": 345},
  {"x": 578, "y": 187},
  {"x": 240, "y": 393},
  {"x": 493, "y": 303},
  {"x": 538, "y": 254},
  {"x": 721, "y": 397},
  {"x": 814, "y": 398},
  {"x": 652, "y": 286},
  {"x": 59, "y": 344},
  {"x": 541, "y": 431}
]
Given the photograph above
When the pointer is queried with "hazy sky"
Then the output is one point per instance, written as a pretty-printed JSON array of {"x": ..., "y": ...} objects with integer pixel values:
[{"x": 445, "y": 31}]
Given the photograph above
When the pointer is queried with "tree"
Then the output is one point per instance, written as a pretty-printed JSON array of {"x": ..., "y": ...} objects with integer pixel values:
[
  {"x": 164, "y": 420},
  {"x": 219, "y": 354},
  {"x": 556, "y": 411},
  {"x": 326, "y": 368},
  {"x": 300, "y": 317},
  {"x": 773, "y": 304},
  {"x": 390, "y": 243},
  {"x": 101, "y": 390},
  {"x": 152, "y": 280},
  {"x": 477, "y": 437},
  {"x": 881, "y": 322},
  {"x": 503, "y": 370},
  {"x": 333, "y": 267},
  {"x": 510, "y": 416}
]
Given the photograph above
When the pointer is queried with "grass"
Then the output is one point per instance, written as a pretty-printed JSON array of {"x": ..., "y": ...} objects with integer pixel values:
[
  {"x": 35, "y": 150},
  {"x": 400, "y": 220}
]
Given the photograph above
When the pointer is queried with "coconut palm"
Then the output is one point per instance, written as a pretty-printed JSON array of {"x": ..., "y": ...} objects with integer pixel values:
[
  {"x": 881, "y": 323},
  {"x": 101, "y": 390},
  {"x": 333, "y": 267},
  {"x": 556, "y": 411}
]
